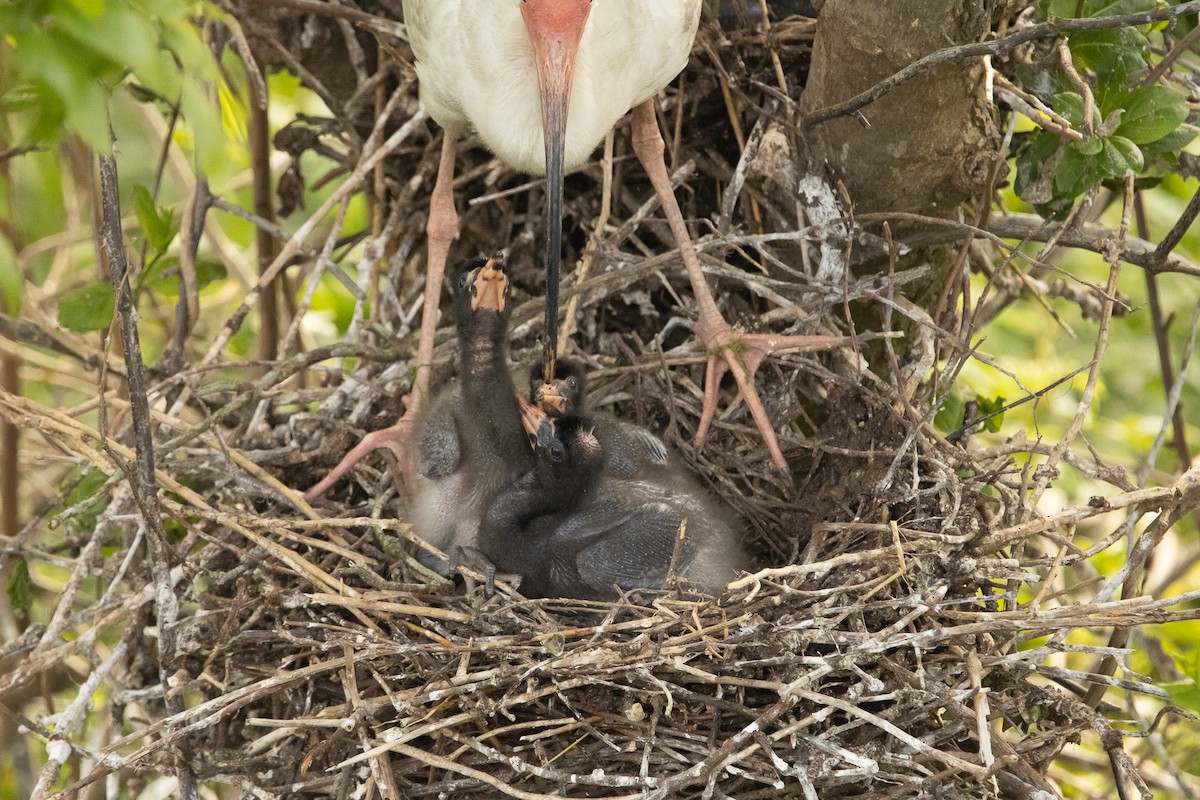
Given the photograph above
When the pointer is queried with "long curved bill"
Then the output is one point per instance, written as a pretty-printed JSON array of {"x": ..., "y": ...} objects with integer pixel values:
[{"x": 555, "y": 29}]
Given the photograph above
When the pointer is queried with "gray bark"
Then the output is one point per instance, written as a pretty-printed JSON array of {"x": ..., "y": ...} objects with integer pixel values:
[{"x": 931, "y": 141}]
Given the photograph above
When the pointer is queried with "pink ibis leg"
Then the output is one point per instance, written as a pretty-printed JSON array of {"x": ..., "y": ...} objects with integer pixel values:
[
  {"x": 728, "y": 348},
  {"x": 440, "y": 231}
]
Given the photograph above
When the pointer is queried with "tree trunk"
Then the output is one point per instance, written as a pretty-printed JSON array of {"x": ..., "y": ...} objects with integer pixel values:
[{"x": 930, "y": 142}]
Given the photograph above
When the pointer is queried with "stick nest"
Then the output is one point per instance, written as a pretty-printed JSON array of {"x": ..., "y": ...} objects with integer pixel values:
[{"x": 899, "y": 639}]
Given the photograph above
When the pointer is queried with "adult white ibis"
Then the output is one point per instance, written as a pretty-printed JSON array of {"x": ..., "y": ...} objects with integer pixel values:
[{"x": 501, "y": 67}]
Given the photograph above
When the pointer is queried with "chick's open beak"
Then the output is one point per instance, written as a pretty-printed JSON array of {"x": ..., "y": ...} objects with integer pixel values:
[
  {"x": 550, "y": 400},
  {"x": 491, "y": 286}
]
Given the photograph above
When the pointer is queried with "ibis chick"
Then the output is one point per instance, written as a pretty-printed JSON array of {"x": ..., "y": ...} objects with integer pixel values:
[
  {"x": 571, "y": 527},
  {"x": 470, "y": 439}
]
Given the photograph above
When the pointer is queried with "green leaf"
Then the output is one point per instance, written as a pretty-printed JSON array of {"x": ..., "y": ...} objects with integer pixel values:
[
  {"x": 49, "y": 115},
  {"x": 1077, "y": 172},
  {"x": 1031, "y": 160},
  {"x": 88, "y": 308},
  {"x": 1185, "y": 694},
  {"x": 88, "y": 485},
  {"x": 20, "y": 589},
  {"x": 12, "y": 282},
  {"x": 208, "y": 271},
  {"x": 1057, "y": 209},
  {"x": 85, "y": 499},
  {"x": 1064, "y": 9},
  {"x": 1151, "y": 112},
  {"x": 1083, "y": 165},
  {"x": 164, "y": 275},
  {"x": 89, "y": 8},
  {"x": 16, "y": 99},
  {"x": 1120, "y": 155},
  {"x": 1112, "y": 53},
  {"x": 1042, "y": 83},
  {"x": 949, "y": 417},
  {"x": 207, "y": 129},
  {"x": 123, "y": 35},
  {"x": 991, "y": 406},
  {"x": 158, "y": 225},
  {"x": 1070, "y": 105},
  {"x": 1114, "y": 8},
  {"x": 72, "y": 54},
  {"x": 1173, "y": 142},
  {"x": 75, "y": 77},
  {"x": 1189, "y": 666}
]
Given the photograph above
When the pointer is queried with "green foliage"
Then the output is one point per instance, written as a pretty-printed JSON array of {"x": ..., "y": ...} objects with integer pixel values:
[
  {"x": 11, "y": 285},
  {"x": 1118, "y": 52},
  {"x": 158, "y": 225},
  {"x": 1097, "y": 8},
  {"x": 1032, "y": 716},
  {"x": 990, "y": 413},
  {"x": 1129, "y": 120},
  {"x": 88, "y": 485},
  {"x": 949, "y": 417},
  {"x": 163, "y": 276},
  {"x": 20, "y": 589},
  {"x": 84, "y": 501},
  {"x": 1086, "y": 163},
  {"x": 87, "y": 308},
  {"x": 1185, "y": 694},
  {"x": 67, "y": 58},
  {"x": 1149, "y": 112},
  {"x": 953, "y": 414}
]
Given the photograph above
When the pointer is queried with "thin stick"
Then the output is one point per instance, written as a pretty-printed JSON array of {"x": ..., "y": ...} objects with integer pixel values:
[{"x": 143, "y": 483}]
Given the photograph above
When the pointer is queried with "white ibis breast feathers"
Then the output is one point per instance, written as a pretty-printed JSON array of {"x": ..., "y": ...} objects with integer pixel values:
[{"x": 477, "y": 69}]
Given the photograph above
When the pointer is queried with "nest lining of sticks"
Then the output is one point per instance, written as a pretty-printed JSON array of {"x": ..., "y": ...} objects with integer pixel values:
[{"x": 880, "y": 651}]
